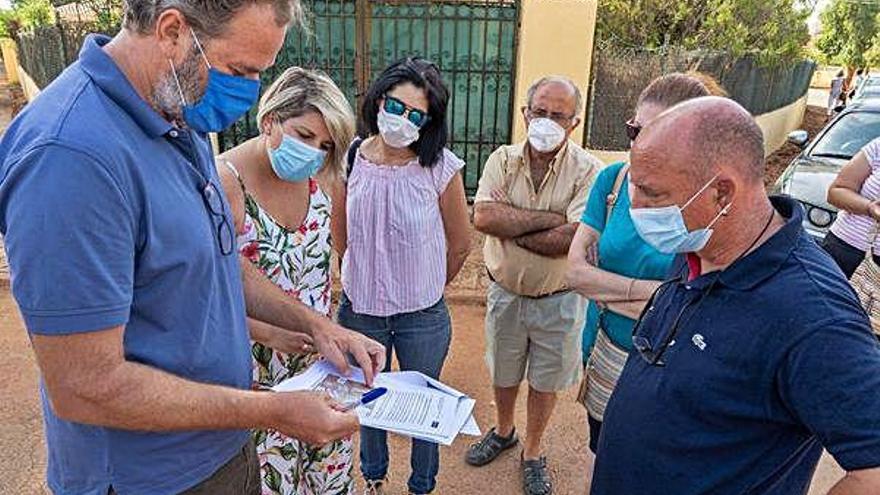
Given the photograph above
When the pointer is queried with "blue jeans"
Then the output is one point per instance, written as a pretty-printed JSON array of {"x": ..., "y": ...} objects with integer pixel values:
[{"x": 421, "y": 342}]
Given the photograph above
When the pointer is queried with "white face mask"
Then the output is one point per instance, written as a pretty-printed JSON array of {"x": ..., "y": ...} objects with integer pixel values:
[
  {"x": 545, "y": 135},
  {"x": 396, "y": 131}
]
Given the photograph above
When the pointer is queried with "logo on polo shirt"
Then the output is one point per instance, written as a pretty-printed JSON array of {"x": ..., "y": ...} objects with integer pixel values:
[{"x": 699, "y": 341}]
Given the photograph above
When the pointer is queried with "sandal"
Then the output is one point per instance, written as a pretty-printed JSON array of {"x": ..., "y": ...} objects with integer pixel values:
[
  {"x": 536, "y": 479},
  {"x": 490, "y": 447},
  {"x": 375, "y": 487}
]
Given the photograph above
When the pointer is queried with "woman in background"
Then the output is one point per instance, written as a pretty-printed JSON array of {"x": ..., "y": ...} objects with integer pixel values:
[{"x": 856, "y": 191}]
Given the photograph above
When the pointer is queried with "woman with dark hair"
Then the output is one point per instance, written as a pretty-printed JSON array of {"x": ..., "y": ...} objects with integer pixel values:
[{"x": 406, "y": 236}]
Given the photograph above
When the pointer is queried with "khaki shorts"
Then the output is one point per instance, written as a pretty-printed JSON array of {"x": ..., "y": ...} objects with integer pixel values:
[{"x": 544, "y": 334}]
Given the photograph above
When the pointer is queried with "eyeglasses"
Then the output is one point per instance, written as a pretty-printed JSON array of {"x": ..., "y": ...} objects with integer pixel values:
[
  {"x": 225, "y": 235},
  {"x": 651, "y": 353},
  {"x": 214, "y": 201},
  {"x": 396, "y": 107},
  {"x": 560, "y": 118},
  {"x": 632, "y": 129}
]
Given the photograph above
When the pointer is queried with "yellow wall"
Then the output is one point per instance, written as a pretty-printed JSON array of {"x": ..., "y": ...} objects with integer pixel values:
[
  {"x": 28, "y": 86},
  {"x": 778, "y": 123},
  {"x": 555, "y": 37},
  {"x": 10, "y": 59}
]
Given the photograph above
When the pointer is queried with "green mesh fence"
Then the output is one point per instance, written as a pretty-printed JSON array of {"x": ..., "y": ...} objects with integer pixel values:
[{"x": 620, "y": 74}]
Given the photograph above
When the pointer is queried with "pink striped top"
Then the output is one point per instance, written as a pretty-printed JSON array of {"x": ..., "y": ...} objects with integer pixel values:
[
  {"x": 395, "y": 261},
  {"x": 856, "y": 230}
]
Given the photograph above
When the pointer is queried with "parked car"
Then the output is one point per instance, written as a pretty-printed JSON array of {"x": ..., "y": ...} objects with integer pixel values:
[
  {"x": 810, "y": 174},
  {"x": 869, "y": 89}
]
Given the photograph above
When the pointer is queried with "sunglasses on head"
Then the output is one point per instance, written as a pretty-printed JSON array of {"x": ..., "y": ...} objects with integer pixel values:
[
  {"x": 396, "y": 107},
  {"x": 632, "y": 129}
]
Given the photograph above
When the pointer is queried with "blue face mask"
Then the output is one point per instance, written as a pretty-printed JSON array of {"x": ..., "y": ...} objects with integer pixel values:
[
  {"x": 664, "y": 228},
  {"x": 295, "y": 161},
  {"x": 226, "y": 98}
]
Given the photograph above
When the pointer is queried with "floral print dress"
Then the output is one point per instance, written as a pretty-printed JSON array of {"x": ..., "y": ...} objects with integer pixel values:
[{"x": 297, "y": 261}]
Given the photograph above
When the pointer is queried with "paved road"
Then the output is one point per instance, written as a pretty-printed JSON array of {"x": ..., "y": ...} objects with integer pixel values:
[{"x": 818, "y": 97}]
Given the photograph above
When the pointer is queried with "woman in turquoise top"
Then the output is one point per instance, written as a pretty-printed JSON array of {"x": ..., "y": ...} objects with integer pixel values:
[{"x": 610, "y": 264}]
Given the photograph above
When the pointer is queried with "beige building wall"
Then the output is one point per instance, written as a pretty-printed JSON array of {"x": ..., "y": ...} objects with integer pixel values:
[
  {"x": 778, "y": 123},
  {"x": 555, "y": 37},
  {"x": 28, "y": 86},
  {"x": 10, "y": 59}
]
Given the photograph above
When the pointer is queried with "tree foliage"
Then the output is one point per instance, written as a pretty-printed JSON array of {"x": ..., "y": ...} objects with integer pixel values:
[
  {"x": 10, "y": 23},
  {"x": 774, "y": 31},
  {"x": 25, "y": 14},
  {"x": 107, "y": 14},
  {"x": 848, "y": 30}
]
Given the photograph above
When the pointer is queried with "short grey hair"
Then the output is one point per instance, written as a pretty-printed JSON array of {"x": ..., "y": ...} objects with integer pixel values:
[
  {"x": 530, "y": 95},
  {"x": 207, "y": 17}
]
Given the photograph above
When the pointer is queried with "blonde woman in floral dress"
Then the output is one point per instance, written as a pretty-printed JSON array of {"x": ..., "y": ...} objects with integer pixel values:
[{"x": 279, "y": 186}]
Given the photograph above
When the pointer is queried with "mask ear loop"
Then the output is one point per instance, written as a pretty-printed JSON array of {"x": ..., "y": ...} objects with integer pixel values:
[
  {"x": 177, "y": 81},
  {"x": 199, "y": 46},
  {"x": 723, "y": 213},
  {"x": 276, "y": 124},
  {"x": 698, "y": 193}
]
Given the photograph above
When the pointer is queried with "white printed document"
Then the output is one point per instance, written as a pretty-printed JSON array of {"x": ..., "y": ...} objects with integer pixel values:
[{"x": 414, "y": 405}]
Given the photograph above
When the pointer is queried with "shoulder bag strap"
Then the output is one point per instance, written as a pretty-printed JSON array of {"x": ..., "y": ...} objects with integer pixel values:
[{"x": 611, "y": 199}]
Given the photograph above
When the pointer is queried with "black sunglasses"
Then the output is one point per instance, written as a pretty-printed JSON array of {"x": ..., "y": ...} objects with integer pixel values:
[
  {"x": 396, "y": 107},
  {"x": 648, "y": 351},
  {"x": 632, "y": 129}
]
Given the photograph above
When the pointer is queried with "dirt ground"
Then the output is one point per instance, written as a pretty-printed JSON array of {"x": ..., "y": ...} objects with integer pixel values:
[
  {"x": 22, "y": 455},
  {"x": 23, "y": 458}
]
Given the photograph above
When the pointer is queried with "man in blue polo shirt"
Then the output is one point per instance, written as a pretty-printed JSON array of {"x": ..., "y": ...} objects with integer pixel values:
[
  {"x": 756, "y": 354},
  {"x": 123, "y": 264}
]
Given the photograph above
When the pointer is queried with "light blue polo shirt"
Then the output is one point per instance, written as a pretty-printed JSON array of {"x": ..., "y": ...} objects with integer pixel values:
[{"x": 105, "y": 225}]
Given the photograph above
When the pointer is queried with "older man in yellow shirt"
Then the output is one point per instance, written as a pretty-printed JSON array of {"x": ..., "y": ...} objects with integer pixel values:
[{"x": 530, "y": 199}]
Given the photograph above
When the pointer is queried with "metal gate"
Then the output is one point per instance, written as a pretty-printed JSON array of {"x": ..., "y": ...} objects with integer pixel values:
[{"x": 474, "y": 42}]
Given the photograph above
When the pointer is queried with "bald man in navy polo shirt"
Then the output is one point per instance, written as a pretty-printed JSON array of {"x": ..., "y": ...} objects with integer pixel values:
[{"x": 756, "y": 353}]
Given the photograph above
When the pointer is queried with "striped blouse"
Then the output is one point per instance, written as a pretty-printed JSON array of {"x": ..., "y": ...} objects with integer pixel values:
[
  {"x": 395, "y": 261},
  {"x": 856, "y": 230}
]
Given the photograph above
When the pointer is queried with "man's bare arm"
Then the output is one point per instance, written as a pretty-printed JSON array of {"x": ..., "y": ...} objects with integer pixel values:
[
  {"x": 266, "y": 302},
  {"x": 862, "y": 482},
  {"x": 553, "y": 243},
  {"x": 88, "y": 380},
  {"x": 507, "y": 222}
]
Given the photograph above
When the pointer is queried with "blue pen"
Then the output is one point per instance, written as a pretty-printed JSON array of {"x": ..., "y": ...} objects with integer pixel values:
[{"x": 367, "y": 398}]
